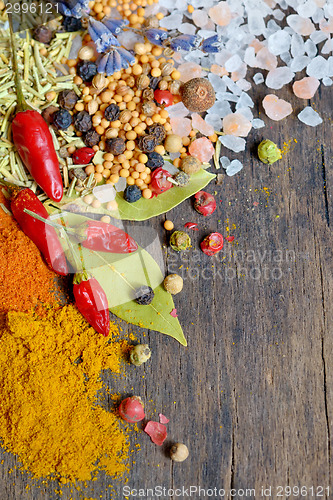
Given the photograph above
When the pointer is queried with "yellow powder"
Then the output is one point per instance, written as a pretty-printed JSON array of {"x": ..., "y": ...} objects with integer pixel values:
[{"x": 49, "y": 413}]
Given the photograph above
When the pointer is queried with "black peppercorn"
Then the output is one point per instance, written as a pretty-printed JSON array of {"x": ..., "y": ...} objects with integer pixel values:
[
  {"x": 82, "y": 121},
  {"x": 86, "y": 70},
  {"x": 147, "y": 143},
  {"x": 62, "y": 119},
  {"x": 154, "y": 81},
  {"x": 157, "y": 131},
  {"x": 144, "y": 295},
  {"x": 67, "y": 99},
  {"x": 155, "y": 160},
  {"x": 115, "y": 146},
  {"x": 42, "y": 34},
  {"x": 71, "y": 24},
  {"x": 112, "y": 112},
  {"x": 132, "y": 193},
  {"x": 91, "y": 138}
]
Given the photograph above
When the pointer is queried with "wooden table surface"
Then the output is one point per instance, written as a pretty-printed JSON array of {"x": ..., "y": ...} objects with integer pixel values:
[{"x": 252, "y": 394}]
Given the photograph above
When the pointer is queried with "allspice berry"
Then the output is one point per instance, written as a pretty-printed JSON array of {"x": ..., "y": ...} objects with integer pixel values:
[
  {"x": 197, "y": 95},
  {"x": 173, "y": 143},
  {"x": 179, "y": 452},
  {"x": 190, "y": 165},
  {"x": 173, "y": 283}
]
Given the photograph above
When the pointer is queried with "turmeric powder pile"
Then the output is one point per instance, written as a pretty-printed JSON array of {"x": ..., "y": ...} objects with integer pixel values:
[{"x": 49, "y": 412}]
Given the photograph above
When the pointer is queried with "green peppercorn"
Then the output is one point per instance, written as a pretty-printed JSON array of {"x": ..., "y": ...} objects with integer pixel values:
[
  {"x": 173, "y": 283},
  {"x": 268, "y": 152},
  {"x": 140, "y": 354},
  {"x": 179, "y": 241}
]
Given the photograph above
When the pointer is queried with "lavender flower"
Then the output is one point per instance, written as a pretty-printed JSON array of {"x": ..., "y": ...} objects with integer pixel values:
[
  {"x": 183, "y": 42},
  {"x": 155, "y": 36},
  {"x": 211, "y": 44},
  {"x": 101, "y": 35},
  {"x": 115, "y": 25},
  {"x": 115, "y": 60},
  {"x": 77, "y": 8}
]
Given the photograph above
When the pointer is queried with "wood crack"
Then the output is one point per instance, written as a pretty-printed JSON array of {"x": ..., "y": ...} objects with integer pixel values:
[
  {"x": 232, "y": 465},
  {"x": 323, "y": 173}
]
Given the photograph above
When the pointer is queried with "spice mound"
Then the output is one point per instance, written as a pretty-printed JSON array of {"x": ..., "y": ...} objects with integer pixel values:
[{"x": 49, "y": 379}]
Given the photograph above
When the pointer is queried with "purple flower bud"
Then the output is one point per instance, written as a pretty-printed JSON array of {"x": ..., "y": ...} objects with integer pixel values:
[
  {"x": 156, "y": 36},
  {"x": 101, "y": 35},
  {"x": 211, "y": 44},
  {"x": 183, "y": 42},
  {"x": 114, "y": 25}
]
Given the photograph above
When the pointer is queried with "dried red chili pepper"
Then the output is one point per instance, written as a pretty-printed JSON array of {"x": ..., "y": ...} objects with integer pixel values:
[
  {"x": 83, "y": 156},
  {"x": 33, "y": 140},
  {"x": 204, "y": 203},
  {"x": 159, "y": 181},
  {"x": 192, "y": 225},
  {"x": 212, "y": 244},
  {"x": 44, "y": 236},
  {"x": 104, "y": 237},
  {"x": 92, "y": 302}
]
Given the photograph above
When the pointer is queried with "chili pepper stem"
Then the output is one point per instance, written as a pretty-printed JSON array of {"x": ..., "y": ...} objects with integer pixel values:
[{"x": 21, "y": 102}]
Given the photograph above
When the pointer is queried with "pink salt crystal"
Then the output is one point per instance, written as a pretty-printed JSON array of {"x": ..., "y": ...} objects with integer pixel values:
[
  {"x": 266, "y": 60},
  {"x": 276, "y": 108},
  {"x": 218, "y": 70},
  {"x": 306, "y": 88},
  {"x": 181, "y": 126},
  {"x": 174, "y": 313},
  {"x": 220, "y": 14},
  {"x": 270, "y": 3},
  {"x": 326, "y": 25},
  {"x": 257, "y": 45},
  {"x": 240, "y": 73},
  {"x": 156, "y": 431},
  {"x": 236, "y": 124},
  {"x": 200, "y": 18},
  {"x": 202, "y": 149},
  {"x": 189, "y": 70},
  {"x": 302, "y": 26},
  {"x": 163, "y": 419},
  {"x": 200, "y": 124}
]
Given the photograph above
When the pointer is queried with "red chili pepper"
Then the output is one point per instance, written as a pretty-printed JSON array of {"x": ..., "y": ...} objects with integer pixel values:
[
  {"x": 192, "y": 225},
  {"x": 44, "y": 236},
  {"x": 204, "y": 203},
  {"x": 159, "y": 181},
  {"x": 92, "y": 302},
  {"x": 163, "y": 97},
  {"x": 104, "y": 237},
  {"x": 83, "y": 156},
  {"x": 212, "y": 244},
  {"x": 33, "y": 141}
]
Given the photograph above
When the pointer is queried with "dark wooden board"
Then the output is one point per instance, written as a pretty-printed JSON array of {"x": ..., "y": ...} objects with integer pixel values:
[{"x": 252, "y": 394}]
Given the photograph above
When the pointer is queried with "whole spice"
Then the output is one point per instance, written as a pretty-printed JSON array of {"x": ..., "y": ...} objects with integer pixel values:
[
  {"x": 179, "y": 452},
  {"x": 173, "y": 283},
  {"x": 48, "y": 113},
  {"x": 62, "y": 119},
  {"x": 179, "y": 241},
  {"x": 212, "y": 244},
  {"x": 156, "y": 431},
  {"x": 42, "y": 34},
  {"x": 158, "y": 131},
  {"x": 91, "y": 138},
  {"x": 112, "y": 112},
  {"x": 99, "y": 81},
  {"x": 83, "y": 156},
  {"x": 155, "y": 160},
  {"x": 144, "y": 295},
  {"x": 173, "y": 143},
  {"x": 181, "y": 179},
  {"x": 147, "y": 143},
  {"x": 71, "y": 23},
  {"x": 92, "y": 302},
  {"x": 104, "y": 237},
  {"x": 132, "y": 194},
  {"x": 67, "y": 99},
  {"x": 268, "y": 152},
  {"x": 63, "y": 431},
  {"x": 33, "y": 140},
  {"x": 148, "y": 108},
  {"x": 140, "y": 354},
  {"x": 192, "y": 225},
  {"x": 78, "y": 173},
  {"x": 82, "y": 121},
  {"x": 160, "y": 181},
  {"x": 92, "y": 107},
  {"x": 115, "y": 146},
  {"x": 86, "y": 70},
  {"x": 131, "y": 409},
  {"x": 190, "y": 165},
  {"x": 197, "y": 94},
  {"x": 163, "y": 97},
  {"x": 204, "y": 203},
  {"x": 86, "y": 53},
  {"x": 44, "y": 236},
  {"x": 142, "y": 82},
  {"x": 148, "y": 94}
]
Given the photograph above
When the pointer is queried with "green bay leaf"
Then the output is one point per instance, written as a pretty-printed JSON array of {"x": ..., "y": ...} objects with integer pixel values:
[{"x": 142, "y": 209}]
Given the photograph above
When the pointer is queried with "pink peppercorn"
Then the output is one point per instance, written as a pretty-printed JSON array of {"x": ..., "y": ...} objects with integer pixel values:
[
  {"x": 212, "y": 244},
  {"x": 131, "y": 409},
  {"x": 204, "y": 203}
]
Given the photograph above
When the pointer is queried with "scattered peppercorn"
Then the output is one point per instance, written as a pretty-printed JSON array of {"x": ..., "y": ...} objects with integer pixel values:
[
  {"x": 157, "y": 131},
  {"x": 145, "y": 294},
  {"x": 48, "y": 113},
  {"x": 132, "y": 194},
  {"x": 62, "y": 119},
  {"x": 67, "y": 99},
  {"x": 173, "y": 143},
  {"x": 82, "y": 121},
  {"x": 83, "y": 156},
  {"x": 155, "y": 160},
  {"x": 116, "y": 146},
  {"x": 190, "y": 165},
  {"x": 197, "y": 94},
  {"x": 173, "y": 283},
  {"x": 112, "y": 112},
  {"x": 42, "y": 34},
  {"x": 147, "y": 143},
  {"x": 204, "y": 203},
  {"x": 268, "y": 152},
  {"x": 179, "y": 240},
  {"x": 139, "y": 354},
  {"x": 71, "y": 24},
  {"x": 212, "y": 244},
  {"x": 91, "y": 138},
  {"x": 86, "y": 70},
  {"x": 179, "y": 452},
  {"x": 131, "y": 409},
  {"x": 181, "y": 179}
]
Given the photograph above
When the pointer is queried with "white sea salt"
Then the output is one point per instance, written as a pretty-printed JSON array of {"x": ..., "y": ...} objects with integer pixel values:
[
  {"x": 258, "y": 78},
  {"x": 234, "y": 167},
  {"x": 225, "y": 162},
  {"x": 105, "y": 193},
  {"x": 310, "y": 117},
  {"x": 257, "y": 123},
  {"x": 232, "y": 142}
]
